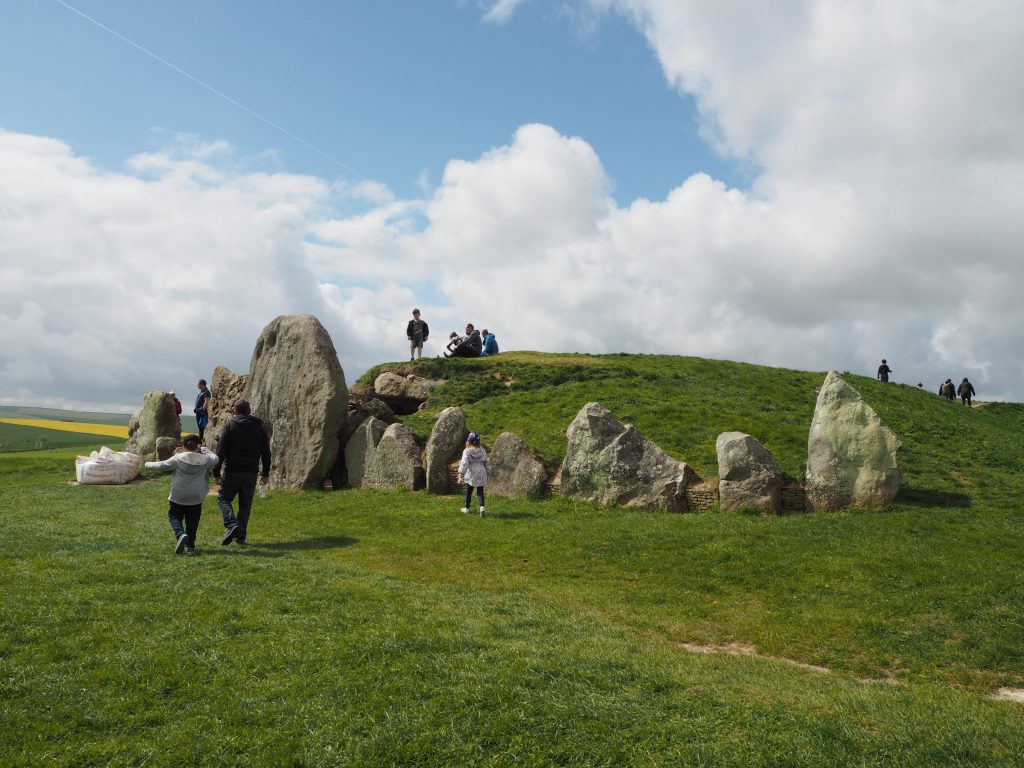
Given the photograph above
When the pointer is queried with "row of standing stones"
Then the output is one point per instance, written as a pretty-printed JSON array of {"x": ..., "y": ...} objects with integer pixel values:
[{"x": 319, "y": 434}]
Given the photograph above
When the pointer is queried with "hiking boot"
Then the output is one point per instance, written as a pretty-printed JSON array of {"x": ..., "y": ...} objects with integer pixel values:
[
  {"x": 182, "y": 544},
  {"x": 481, "y": 511},
  {"x": 229, "y": 535},
  {"x": 465, "y": 510}
]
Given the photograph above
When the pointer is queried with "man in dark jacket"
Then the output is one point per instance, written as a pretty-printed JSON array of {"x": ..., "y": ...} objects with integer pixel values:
[
  {"x": 966, "y": 391},
  {"x": 471, "y": 345},
  {"x": 244, "y": 444},
  {"x": 883, "y": 371}
]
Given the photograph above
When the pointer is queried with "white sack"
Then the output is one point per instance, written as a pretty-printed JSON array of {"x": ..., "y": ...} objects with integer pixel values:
[{"x": 107, "y": 467}]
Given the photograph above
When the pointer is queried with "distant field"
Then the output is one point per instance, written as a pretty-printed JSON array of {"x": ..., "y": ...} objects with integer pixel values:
[
  {"x": 17, "y": 437},
  {"x": 56, "y": 414}
]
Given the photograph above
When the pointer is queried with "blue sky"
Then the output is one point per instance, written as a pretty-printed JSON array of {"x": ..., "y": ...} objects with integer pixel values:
[
  {"x": 544, "y": 169},
  {"x": 393, "y": 90}
]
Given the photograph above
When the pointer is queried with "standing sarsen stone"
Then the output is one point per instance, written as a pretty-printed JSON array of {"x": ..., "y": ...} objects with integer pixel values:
[
  {"x": 851, "y": 453},
  {"x": 154, "y": 420},
  {"x": 514, "y": 472},
  {"x": 609, "y": 462},
  {"x": 748, "y": 474},
  {"x": 296, "y": 386},
  {"x": 447, "y": 439}
]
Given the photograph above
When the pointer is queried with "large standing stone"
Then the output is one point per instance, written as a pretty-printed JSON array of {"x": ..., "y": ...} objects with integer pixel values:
[
  {"x": 514, "y": 472},
  {"x": 608, "y": 462},
  {"x": 297, "y": 387},
  {"x": 396, "y": 461},
  {"x": 359, "y": 449},
  {"x": 851, "y": 453},
  {"x": 227, "y": 389},
  {"x": 748, "y": 474},
  {"x": 447, "y": 439},
  {"x": 404, "y": 394},
  {"x": 356, "y": 416},
  {"x": 155, "y": 419}
]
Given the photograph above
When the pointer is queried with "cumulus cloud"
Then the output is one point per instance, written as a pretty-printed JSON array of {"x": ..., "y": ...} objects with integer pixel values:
[{"x": 883, "y": 221}]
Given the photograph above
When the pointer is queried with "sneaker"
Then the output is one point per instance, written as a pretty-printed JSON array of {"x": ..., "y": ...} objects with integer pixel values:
[
  {"x": 229, "y": 535},
  {"x": 481, "y": 511},
  {"x": 465, "y": 510},
  {"x": 182, "y": 544}
]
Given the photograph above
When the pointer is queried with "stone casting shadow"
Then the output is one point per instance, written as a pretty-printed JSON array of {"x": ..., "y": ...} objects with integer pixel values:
[{"x": 929, "y": 497}]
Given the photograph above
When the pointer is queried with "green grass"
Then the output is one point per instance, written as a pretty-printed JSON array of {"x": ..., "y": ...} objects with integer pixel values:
[
  {"x": 15, "y": 437},
  {"x": 384, "y": 628}
]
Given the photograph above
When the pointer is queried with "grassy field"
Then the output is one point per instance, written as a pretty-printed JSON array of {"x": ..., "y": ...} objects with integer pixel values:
[
  {"x": 385, "y": 628},
  {"x": 18, "y": 437}
]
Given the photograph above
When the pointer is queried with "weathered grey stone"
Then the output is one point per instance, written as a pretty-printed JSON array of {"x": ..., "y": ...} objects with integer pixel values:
[
  {"x": 396, "y": 461},
  {"x": 608, "y": 462},
  {"x": 514, "y": 472},
  {"x": 851, "y": 453},
  {"x": 356, "y": 416},
  {"x": 748, "y": 474},
  {"x": 447, "y": 439},
  {"x": 155, "y": 419},
  {"x": 297, "y": 387},
  {"x": 165, "y": 447},
  {"x": 227, "y": 389},
  {"x": 404, "y": 394},
  {"x": 359, "y": 449}
]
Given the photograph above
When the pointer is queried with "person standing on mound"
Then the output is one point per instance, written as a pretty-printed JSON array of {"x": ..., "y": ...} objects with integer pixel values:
[
  {"x": 474, "y": 469},
  {"x": 189, "y": 486},
  {"x": 244, "y": 444}
]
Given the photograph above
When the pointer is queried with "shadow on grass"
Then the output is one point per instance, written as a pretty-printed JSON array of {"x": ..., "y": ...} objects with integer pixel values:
[
  {"x": 302, "y": 545},
  {"x": 928, "y": 497}
]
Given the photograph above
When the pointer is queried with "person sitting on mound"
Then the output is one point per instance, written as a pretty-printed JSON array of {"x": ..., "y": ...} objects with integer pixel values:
[
  {"x": 490, "y": 344},
  {"x": 470, "y": 346}
]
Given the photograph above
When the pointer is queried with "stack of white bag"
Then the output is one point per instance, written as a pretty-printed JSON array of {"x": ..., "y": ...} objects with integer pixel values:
[{"x": 107, "y": 467}]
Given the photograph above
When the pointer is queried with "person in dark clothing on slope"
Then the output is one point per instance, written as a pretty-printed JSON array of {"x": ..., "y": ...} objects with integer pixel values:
[
  {"x": 471, "y": 346},
  {"x": 244, "y": 446},
  {"x": 202, "y": 404},
  {"x": 947, "y": 390},
  {"x": 883, "y": 371},
  {"x": 417, "y": 332},
  {"x": 966, "y": 391}
]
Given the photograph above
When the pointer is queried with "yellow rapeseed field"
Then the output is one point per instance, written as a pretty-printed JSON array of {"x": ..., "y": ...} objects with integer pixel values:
[{"x": 109, "y": 430}]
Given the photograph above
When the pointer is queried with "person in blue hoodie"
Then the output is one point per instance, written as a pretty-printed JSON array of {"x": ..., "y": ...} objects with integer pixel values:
[
  {"x": 189, "y": 486},
  {"x": 490, "y": 344}
]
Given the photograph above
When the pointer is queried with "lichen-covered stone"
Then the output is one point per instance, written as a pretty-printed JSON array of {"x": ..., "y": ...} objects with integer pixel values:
[
  {"x": 156, "y": 418},
  {"x": 227, "y": 389},
  {"x": 165, "y": 447},
  {"x": 297, "y": 387},
  {"x": 514, "y": 472},
  {"x": 396, "y": 462},
  {"x": 447, "y": 439},
  {"x": 851, "y": 453},
  {"x": 404, "y": 394},
  {"x": 608, "y": 462},
  {"x": 748, "y": 474},
  {"x": 359, "y": 449}
]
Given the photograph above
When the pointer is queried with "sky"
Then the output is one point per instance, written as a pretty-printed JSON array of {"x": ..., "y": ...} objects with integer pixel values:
[{"x": 812, "y": 184}]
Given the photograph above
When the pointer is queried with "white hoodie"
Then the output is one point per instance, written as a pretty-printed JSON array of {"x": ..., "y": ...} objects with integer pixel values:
[
  {"x": 190, "y": 483},
  {"x": 475, "y": 466}
]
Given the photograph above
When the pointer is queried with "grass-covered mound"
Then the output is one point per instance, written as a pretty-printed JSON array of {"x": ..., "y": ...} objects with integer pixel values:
[{"x": 385, "y": 628}]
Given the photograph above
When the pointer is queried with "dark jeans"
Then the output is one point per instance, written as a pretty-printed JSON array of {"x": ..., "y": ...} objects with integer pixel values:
[
  {"x": 465, "y": 351},
  {"x": 190, "y": 513},
  {"x": 243, "y": 485},
  {"x": 965, "y": 399},
  {"x": 479, "y": 494}
]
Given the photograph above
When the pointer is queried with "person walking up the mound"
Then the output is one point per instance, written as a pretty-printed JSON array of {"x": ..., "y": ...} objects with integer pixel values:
[
  {"x": 474, "y": 470},
  {"x": 883, "y": 371},
  {"x": 244, "y": 444},
  {"x": 966, "y": 391},
  {"x": 189, "y": 486}
]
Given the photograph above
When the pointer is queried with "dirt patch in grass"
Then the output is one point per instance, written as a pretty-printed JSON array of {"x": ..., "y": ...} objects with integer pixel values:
[
  {"x": 1009, "y": 694},
  {"x": 740, "y": 649}
]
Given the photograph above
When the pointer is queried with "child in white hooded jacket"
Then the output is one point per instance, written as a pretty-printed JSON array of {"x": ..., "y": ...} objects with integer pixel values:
[
  {"x": 189, "y": 487},
  {"x": 474, "y": 469}
]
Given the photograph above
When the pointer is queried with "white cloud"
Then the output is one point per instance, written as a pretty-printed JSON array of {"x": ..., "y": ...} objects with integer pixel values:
[
  {"x": 884, "y": 221},
  {"x": 500, "y": 11}
]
